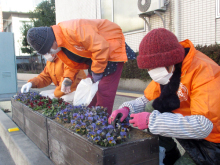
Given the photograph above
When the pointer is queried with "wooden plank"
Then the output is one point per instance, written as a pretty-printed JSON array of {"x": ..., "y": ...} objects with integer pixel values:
[
  {"x": 150, "y": 162},
  {"x": 133, "y": 152},
  {"x": 18, "y": 117},
  {"x": 35, "y": 117},
  {"x": 81, "y": 146},
  {"x": 40, "y": 133},
  {"x": 37, "y": 140},
  {"x": 62, "y": 154},
  {"x": 17, "y": 105}
]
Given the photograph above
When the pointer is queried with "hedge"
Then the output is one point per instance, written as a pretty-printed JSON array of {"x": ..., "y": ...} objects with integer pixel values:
[{"x": 131, "y": 70}]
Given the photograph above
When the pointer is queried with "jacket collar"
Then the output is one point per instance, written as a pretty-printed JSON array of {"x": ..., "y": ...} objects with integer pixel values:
[{"x": 189, "y": 57}]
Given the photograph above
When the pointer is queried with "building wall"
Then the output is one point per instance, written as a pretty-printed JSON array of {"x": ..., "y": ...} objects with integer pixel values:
[
  {"x": 13, "y": 23},
  {"x": 7, "y": 26},
  {"x": 197, "y": 19},
  {"x": 75, "y": 9},
  {"x": 19, "y": 5},
  {"x": 218, "y": 30},
  {"x": 17, "y": 24}
]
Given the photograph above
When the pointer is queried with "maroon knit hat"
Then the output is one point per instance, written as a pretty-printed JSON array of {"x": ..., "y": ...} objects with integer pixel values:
[{"x": 159, "y": 48}]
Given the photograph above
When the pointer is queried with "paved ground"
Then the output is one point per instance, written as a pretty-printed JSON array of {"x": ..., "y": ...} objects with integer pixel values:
[
  {"x": 5, "y": 157},
  {"x": 122, "y": 95}
]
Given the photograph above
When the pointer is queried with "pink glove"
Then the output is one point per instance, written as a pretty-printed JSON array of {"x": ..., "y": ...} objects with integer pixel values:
[
  {"x": 118, "y": 114},
  {"x": 140, "y": 120}
]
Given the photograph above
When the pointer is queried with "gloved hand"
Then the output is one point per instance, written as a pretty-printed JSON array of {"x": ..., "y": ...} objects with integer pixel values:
[
  {"x": 66, "y": 85},
  {"x": 96, "y": 77},
  {"x": 119, "y": 114},
  {"x": 140, "y": 120},
  {"x": 149, "y": 107},
  {"x": 26, "y": 87}
]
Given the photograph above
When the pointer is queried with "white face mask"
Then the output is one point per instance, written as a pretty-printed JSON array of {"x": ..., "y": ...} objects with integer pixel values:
[
  {"x": 161, "y": 75},
  {"x": 49, "y": 57},
  {"x": 55, "y": 51}
]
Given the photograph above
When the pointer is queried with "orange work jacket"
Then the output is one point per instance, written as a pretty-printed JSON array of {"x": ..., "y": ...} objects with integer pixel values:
[
  {"x": 97, "y": 39},
  {"x": 199, "y": 90},
  {"x": 55, "y": 72}
]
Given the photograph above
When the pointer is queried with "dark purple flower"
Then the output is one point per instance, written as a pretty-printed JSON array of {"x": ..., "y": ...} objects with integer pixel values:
[
  {"x": 111, "y": 140},
  {"x": 99, "y": 132},
  {"x": 83, "y": 125},
  {"x": 73, "y": 121},
  {"x": 90, "y": 114},
  {"x": 92, "y": 134},
  {"x": 108, "y": 135},
  {"x": 90, "y": 118},
  {"x": 123, "y": 134},
  {"x": 74, "y": 115},
  {"x": 96, "y": 139},
  {"x": 110, "y": 127},
  {"x": 93, "y": 125},
  {"x": 123, "y": 129}
]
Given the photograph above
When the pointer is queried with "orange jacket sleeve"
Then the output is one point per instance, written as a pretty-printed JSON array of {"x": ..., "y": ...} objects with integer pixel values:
[
  {"x": 69, "y": 72},
  {"x": 88, "y": 36},
  {"x": 77, "y": 78},
  {"x": 42, "y": 80}
]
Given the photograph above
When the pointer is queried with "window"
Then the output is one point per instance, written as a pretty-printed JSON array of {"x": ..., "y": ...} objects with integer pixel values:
[
  {"x": 123, "y": 13},
  {"x": 217, "y": 8}
]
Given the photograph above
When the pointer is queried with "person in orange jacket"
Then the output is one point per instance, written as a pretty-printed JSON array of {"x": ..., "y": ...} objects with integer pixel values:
[
  {"x": 64, "y": 78},
  {"x": 94, "y": 44},
  {"x": 182, "y": 100}
]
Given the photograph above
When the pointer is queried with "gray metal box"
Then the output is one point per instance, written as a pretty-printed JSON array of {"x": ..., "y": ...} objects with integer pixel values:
[{"x": 8, "y": 69}]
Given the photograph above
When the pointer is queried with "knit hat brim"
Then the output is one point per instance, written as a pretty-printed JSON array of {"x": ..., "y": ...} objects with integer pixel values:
[{"x": 151, "y": 61}]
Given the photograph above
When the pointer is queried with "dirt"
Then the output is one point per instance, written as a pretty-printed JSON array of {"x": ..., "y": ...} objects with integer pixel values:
[{"x": 136, "y": 134}]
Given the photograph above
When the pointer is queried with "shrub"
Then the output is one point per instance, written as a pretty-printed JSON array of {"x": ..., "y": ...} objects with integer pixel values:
[
  {"x": 213, "y": 51},
  {"x": 131, "y": 70}
]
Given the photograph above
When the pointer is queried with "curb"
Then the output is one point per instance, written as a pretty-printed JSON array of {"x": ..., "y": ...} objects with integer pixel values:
[{"x": 23, "y": 151}]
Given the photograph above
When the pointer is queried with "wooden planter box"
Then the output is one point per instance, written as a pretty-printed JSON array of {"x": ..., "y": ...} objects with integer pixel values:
[
  {"x": 17, "y": 113},
  {"x": 63, "y": 146},
  {"x": 32, "y": 123},
  {"x": 67, "y": 147}
]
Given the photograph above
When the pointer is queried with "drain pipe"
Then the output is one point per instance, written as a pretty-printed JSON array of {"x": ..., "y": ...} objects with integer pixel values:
[{"x": 176, "y": 18}]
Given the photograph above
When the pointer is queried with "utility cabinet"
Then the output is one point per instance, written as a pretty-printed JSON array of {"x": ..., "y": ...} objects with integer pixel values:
[{"x": 8, "y": 69}]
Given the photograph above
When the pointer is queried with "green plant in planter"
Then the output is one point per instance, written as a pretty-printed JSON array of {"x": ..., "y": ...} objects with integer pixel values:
[{"x": 48, "y": 107}]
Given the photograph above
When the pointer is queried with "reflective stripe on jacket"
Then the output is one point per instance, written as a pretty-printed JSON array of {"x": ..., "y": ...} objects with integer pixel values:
[
  {"x": 55, "y": 72},
  {"x": 199, "y": 90},
  {"x": 98, "y": 39}
]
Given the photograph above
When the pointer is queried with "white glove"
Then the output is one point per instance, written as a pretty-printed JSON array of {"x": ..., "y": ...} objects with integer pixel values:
[
  {"x": 66, "y": 85},
  {"x": 26, "y": 87}
]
